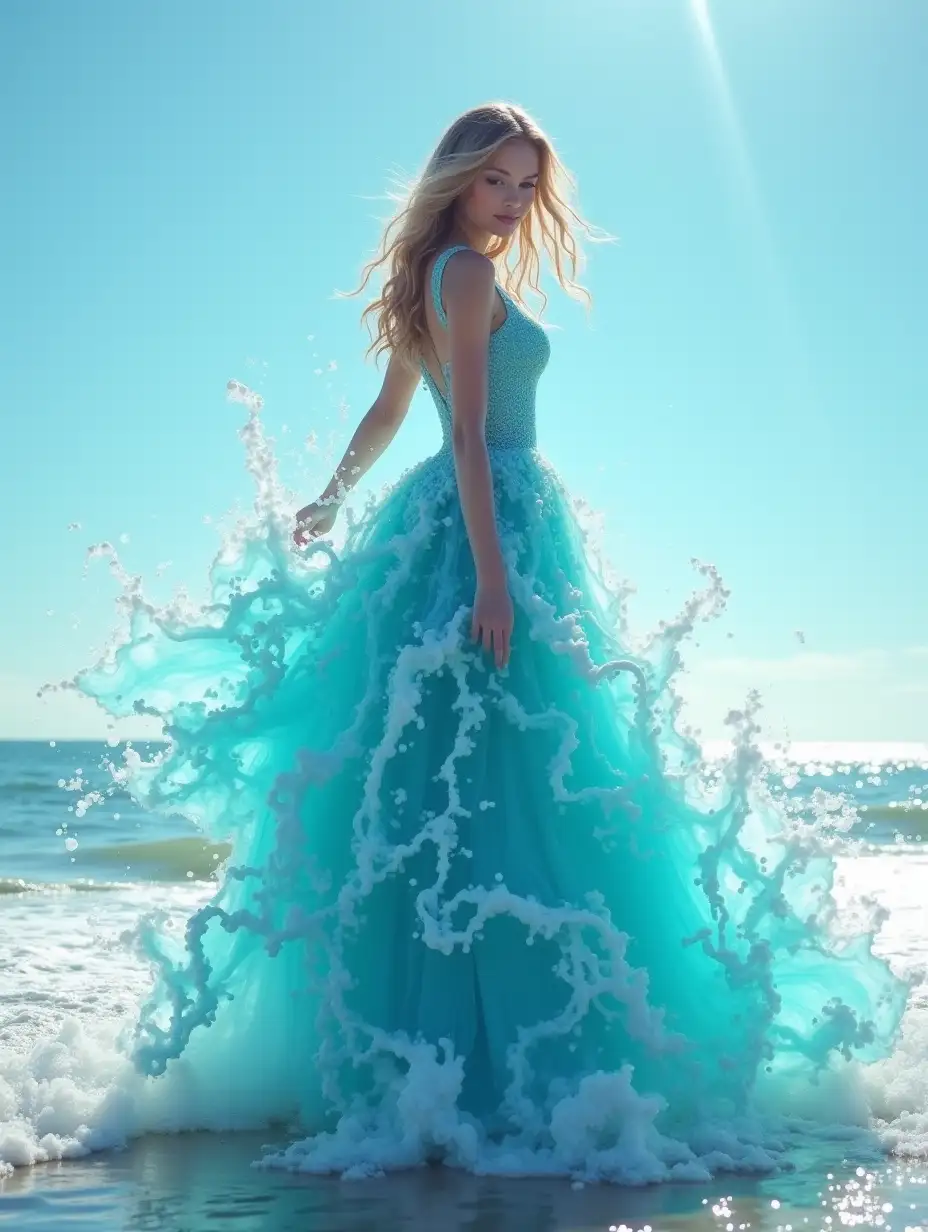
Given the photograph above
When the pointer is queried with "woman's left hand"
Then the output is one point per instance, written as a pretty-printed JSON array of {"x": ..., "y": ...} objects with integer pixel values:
[
  {"x": 314, "y": 520},
  {"x": 492, "y": 621}
]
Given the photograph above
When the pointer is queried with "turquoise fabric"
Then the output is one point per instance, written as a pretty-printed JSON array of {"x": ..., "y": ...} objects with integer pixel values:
[
  {"x": 500, "y": 885},
  {"x": 517, "y": 355}
]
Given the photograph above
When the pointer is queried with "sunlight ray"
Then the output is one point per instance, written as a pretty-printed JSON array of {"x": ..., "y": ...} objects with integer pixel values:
[{"x": 751, "y": 202}]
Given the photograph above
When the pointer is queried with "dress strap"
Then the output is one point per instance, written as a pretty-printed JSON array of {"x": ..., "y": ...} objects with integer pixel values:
[{"x": 438, "y": 270}]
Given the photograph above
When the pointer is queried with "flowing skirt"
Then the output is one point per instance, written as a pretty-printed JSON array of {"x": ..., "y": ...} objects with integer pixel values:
[{"x": 466, "y": 905}]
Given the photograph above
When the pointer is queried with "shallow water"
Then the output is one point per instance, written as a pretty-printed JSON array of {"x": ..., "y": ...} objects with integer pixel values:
[
  {"x": 195, "y": 1182},
  {"x": 66, "y": 957}
]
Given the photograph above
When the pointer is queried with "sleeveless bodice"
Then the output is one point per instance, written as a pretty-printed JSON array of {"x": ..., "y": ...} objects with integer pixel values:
[{"x": 518, "y": 352}]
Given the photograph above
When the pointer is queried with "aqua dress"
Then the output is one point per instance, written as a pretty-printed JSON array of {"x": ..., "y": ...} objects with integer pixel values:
[{"x": 471, "y": 910}]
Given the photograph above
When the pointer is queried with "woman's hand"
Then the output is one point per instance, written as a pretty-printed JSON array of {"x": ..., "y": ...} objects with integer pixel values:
[
  {"x": 493, "y": 620},
  {"x": 314, "y": 520}
]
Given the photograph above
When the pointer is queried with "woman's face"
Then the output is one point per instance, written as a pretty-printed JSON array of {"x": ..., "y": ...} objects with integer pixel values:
[{"x": 503, "y": 192}]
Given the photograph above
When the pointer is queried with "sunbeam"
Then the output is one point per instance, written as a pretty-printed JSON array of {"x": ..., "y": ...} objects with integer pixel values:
[{"x": 751, "y": 203}]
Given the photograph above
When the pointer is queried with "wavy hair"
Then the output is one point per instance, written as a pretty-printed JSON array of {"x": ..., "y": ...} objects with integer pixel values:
[{"x": 420, "y": 229}]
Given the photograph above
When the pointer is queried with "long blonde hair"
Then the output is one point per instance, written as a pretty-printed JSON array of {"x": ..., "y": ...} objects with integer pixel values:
[{"x": 421, "y": 227}]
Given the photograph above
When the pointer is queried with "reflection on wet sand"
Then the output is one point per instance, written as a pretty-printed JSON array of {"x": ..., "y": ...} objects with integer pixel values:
[{"x": 194, "y": 1182}]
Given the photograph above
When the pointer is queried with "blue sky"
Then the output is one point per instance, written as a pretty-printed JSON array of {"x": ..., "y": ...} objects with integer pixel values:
[{"x": 186, "y": 186}]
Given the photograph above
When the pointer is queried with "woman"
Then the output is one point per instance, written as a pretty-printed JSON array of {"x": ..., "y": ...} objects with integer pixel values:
[{"x": 472, "y": 906}]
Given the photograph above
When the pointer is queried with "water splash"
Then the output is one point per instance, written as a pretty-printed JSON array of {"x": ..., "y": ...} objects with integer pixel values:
[{"x": 499, "y": 910}]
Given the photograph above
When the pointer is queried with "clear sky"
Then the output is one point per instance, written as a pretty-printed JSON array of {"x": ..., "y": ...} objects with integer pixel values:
[{"x": 186, "y": 185}]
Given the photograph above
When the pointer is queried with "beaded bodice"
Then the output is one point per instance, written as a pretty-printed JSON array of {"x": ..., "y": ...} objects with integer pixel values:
[{"x": 518, "y": 352}]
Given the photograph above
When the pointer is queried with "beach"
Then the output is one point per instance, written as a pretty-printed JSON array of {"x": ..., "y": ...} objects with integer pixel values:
[
  {"x": 76, "y": 878},
  {"x": 194, "y": 1182}
]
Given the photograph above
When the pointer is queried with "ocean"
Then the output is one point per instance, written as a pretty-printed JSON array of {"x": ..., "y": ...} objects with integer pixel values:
[{"x": 81, "y": 864}]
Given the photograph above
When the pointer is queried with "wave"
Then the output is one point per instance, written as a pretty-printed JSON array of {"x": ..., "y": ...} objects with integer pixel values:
[
  {"x": 894, "y": 812},
  {"x": 167, "y": 860},
  {"x": 19, "y": 885},
  {"x": 173, "y": 859},
  {"x": 52, "y": 786},
  {"x": 910, "y": 820},
  {"x": 29, "y": 787}
]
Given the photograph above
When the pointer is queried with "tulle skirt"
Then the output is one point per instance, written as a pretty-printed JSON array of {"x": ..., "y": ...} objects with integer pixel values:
[{"x": 469, "y": 906}]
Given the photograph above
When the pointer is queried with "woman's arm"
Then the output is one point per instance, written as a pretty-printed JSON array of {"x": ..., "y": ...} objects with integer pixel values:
[
  {"x": 372, "y": 435},
  {"x": 470, "y": 291},
  {"x": 375, "y": 431}
]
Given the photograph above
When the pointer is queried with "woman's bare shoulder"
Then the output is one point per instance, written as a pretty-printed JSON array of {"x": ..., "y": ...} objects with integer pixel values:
[{"x": 469, "y": 277}]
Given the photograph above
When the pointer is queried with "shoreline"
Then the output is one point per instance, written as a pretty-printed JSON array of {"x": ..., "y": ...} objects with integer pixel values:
[{"x": 184, "y": 1182}]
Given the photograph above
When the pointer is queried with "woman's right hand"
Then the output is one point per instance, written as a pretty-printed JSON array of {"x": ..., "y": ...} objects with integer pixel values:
[
  {"x": 314, "y": 520},
  {"x": 493, "y": 620}
]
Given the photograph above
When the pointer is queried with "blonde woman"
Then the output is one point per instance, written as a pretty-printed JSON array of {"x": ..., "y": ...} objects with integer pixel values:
[
  {"x": 492, "y": 183},
  {"x": 472, "y": 910}
]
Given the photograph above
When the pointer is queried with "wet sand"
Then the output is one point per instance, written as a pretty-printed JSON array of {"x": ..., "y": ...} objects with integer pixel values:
[{"x": 195, "y": 1182}]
